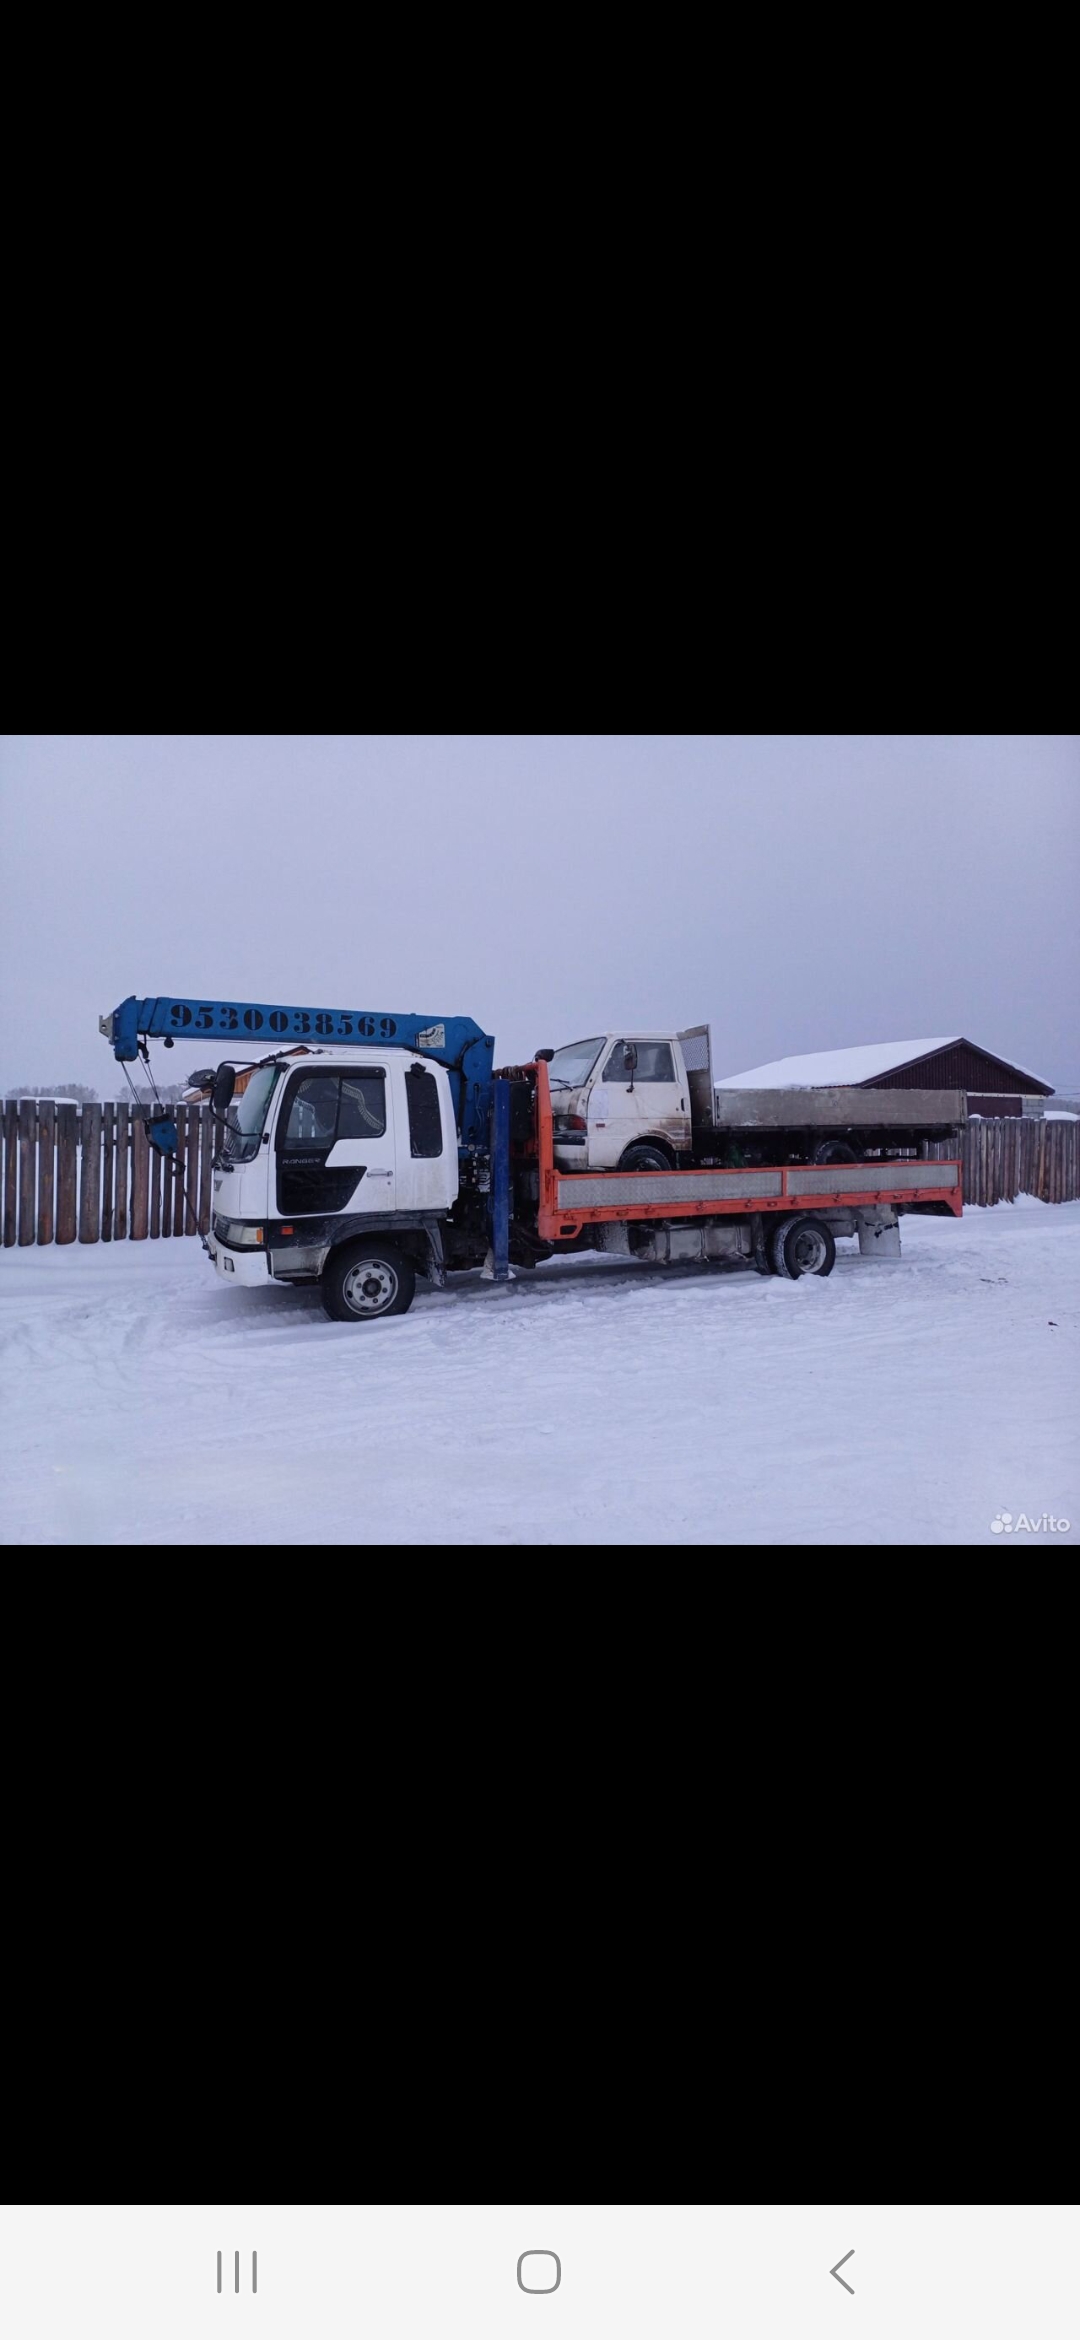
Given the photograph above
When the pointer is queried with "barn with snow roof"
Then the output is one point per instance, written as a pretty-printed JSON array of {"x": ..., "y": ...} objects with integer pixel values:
[{"x": 992, "y": 1085}]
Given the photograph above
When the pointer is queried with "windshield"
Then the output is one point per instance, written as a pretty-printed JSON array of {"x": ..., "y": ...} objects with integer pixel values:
[
  {"x": 247, "y": 1113},
  {"x": 572, "y": 1065}
]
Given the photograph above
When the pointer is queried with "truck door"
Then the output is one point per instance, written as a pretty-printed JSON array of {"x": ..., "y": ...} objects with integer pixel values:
[
  {"x": 335, "y": 1145},
  {"x": 641, "y": 1100}
]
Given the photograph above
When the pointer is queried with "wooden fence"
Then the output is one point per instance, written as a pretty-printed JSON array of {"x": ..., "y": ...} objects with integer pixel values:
[
  {"x": 1016, "y": 1156},
  {"x": 88, "y": 1174}
]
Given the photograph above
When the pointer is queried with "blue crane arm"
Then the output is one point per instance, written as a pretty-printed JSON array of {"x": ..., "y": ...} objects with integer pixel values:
[{"x": 454, "y": 1041}]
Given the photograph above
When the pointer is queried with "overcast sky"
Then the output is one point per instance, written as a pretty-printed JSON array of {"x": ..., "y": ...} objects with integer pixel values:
[{"x": 797, "y": 892}]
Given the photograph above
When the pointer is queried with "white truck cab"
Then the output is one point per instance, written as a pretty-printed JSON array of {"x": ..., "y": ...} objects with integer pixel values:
[
  {"x": 621, "y": 1100},
  {"x": 345, "y": 1136}
]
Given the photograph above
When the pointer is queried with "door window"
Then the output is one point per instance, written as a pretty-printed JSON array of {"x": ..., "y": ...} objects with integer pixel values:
[
  {"x": 654, "y": 1061},
  {"x": 362, "y": 1112},
  {"x": 328, "y": 1106}
]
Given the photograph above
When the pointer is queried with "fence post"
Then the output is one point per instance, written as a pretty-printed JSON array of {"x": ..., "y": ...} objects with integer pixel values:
[
  {"x": 168, "y": 1186},
  {"x": 67, "y": 1139},
  {"x": 27, "y": 1166},
  {"x": 11, "y": 1157},
  {"x": 108, "y": 1155},
  {"x": 154, "y": 1164},
  {"x": 140, "y": 1176},
  {"x": 180, "y": 1171},
  {"x": 90, "y": 1181},
  {"x": 46, "y": 1121},
  {"x": 123, "y": 1143},
  {"x": 191, "y": 1215}
]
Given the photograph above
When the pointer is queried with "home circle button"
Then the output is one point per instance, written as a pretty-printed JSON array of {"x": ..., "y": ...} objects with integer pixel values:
[{"x": 553, "y": 2260}]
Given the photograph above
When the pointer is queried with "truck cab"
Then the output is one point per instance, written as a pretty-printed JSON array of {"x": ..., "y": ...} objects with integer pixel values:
[
  {"x": 324, "y": 1149},
  {"x": 621, "y": 1100}
]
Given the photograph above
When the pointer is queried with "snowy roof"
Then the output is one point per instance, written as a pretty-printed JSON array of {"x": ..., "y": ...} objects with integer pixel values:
[{"x": 841, "y": 1067}]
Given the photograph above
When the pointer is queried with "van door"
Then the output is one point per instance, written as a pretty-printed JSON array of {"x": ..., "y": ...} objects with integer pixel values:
[
  {"x": 335, "y": 1143},
  {"x": 642, "y": 1100}
]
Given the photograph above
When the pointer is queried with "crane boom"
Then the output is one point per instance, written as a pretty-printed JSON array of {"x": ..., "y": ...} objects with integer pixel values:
[{"x": 455, "y": 1041}]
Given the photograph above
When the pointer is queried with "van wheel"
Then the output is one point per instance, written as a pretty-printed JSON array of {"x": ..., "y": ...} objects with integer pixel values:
[
  {"x": 367, "y": 1279},
  {"x": 802, "y": 1246},
  {"x": 646, "y": 1158},
  {"x": 834, "y": 1150}
]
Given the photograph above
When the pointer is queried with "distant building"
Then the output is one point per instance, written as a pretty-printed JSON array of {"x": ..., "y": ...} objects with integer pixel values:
[{"x": 992, "y": 1086}]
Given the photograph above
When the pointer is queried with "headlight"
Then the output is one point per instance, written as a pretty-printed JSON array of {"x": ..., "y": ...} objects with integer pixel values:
[{"x": 239, "y": 1234}]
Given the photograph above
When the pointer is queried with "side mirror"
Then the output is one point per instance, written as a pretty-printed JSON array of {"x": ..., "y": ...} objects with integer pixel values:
[
  {"x": 222, "y": 1093},
  {"x": 544, "y": 1055},
  {"x": 630, "y": 1059},
  {"x": 161, "y": 1131}
]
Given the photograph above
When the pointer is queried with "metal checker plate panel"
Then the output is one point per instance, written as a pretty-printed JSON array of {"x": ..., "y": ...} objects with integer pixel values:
[
  {"x": 872, "y": 1177},
  {"x": 667, "y": 1186}
]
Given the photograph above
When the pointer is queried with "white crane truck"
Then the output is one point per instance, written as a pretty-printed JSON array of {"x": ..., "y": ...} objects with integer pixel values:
[{"x": 391, "y": 1149}]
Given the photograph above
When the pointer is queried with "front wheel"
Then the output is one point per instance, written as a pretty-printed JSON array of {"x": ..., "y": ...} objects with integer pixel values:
[
  {"x": 364, "y": 1280},
  {"x": 802, "y": 1246},
  {"x": 644, "y": 1157}
]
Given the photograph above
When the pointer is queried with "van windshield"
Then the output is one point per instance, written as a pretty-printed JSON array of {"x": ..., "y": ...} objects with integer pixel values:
[
  {"x": 570, "y": 1066},
  {"x": 247, "y": 1114}
]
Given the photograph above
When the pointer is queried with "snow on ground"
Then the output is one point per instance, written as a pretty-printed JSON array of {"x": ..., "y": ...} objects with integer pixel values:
[{"x": 142, "y": 1401}]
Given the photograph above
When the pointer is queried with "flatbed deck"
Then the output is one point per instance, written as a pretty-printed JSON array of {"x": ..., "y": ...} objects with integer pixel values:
[{"x": 571, "y": 1200}]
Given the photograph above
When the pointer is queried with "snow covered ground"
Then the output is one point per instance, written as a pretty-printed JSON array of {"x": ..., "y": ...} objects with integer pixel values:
[{"x": 143, "y": 1402}]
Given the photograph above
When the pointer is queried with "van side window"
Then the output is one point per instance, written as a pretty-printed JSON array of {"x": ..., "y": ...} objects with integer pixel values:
[
  {"x": 425, "y": 1119},
  {"x": 654, "y": 1062}
]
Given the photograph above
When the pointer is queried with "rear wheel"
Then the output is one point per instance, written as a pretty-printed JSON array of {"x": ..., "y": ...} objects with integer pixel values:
[
  {"x": 835, "y": 1150},
  {"x": 367, "y": 1279},
  {"x": 802, "y": 1246}
]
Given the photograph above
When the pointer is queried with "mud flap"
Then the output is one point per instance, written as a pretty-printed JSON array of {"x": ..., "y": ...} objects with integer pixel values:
[
  {"x": 879, "y": 1233},
  {"x": 436, "y": 1267},
  {"x": 757, "y": 1244}
]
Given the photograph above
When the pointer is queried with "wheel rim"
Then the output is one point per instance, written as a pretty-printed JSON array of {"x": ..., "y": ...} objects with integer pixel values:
[
  {"x": 369, "y": 1287},
  {"x": 808, "y": 1248}
]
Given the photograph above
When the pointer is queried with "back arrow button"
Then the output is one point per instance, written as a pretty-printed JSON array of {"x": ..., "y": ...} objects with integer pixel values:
[{"x": 843, "y": 2263}]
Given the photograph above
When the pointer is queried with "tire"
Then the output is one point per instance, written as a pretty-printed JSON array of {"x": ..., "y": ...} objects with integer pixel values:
[
  {"x": 646, "y": 1158},
  {"x": 352, "y": 1296},
  {"x": 835, "y": 1150},
  {"x": 802, "y": 1246}
]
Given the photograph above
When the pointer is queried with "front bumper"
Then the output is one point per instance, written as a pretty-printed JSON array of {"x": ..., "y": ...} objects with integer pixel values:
[{"x": 238, "y": 1267}]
